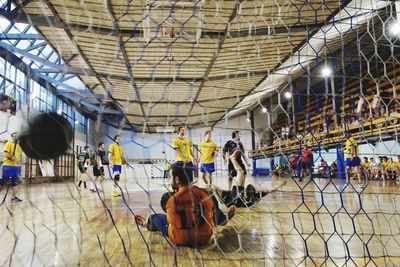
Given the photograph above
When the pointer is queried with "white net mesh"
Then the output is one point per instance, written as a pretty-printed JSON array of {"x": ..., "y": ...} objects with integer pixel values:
[{"x": 311, "y": 85}]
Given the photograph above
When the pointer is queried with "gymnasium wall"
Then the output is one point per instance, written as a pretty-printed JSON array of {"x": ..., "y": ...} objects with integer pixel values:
[
  {"x": 12, "y": 123},
  {"x": 144, "y": 146}
]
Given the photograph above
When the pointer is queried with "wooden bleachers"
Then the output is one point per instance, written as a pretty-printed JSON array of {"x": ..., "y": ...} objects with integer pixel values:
[{"x": 368, "y": 129}]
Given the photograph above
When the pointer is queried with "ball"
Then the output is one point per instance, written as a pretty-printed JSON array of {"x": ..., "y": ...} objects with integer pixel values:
[{"x": 46, "y": 136}]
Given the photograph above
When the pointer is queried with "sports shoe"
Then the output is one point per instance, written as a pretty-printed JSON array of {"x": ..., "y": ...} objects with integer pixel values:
[
  {"x": 116, "y": 194},
  {"x": 15, "y": 200},
  {"x": 93, "y": 190},
  {"x": 360, "y": 185}
]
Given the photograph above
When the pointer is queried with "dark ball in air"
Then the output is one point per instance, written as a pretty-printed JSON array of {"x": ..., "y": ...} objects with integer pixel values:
[{"x": 46, "y": 136}]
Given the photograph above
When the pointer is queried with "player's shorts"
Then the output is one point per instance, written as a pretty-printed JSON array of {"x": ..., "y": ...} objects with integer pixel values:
[
  {"x": 208, "y": 168},
  {"x": 10, "y": 175},
  {"x": 84, "y": 177},
  {"x": 353, "y": 162},
  {"x": 117, "y": 169},
  {"x": 231, "y": 170},
  {"x": 305, "y": 165},
  {"x": 98, "y": 171}
]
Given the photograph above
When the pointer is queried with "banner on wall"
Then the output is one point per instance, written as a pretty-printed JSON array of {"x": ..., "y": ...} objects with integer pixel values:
[
  {"x": 8, "y": 104},
  {"x": 47, "y": 167}
]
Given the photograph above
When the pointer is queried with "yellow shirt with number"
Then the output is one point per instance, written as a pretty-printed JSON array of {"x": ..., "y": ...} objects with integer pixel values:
[
  {"x": 183, "y": 145},
  {"x": 116, "y": 152},
  {"x": 9, "y": 147},
  {"x": 351, "y": 148},
  {"x": 207, "y": 150}
]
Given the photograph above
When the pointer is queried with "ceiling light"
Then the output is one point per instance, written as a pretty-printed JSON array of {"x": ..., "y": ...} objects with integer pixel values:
[
  {"x": 264, "y": 110},
  {"x": 288, "y": 94},
  {"x": 326, "y": 71},
  {"x": 59, "y": 111},
  {"x": 395, "y": 28}
]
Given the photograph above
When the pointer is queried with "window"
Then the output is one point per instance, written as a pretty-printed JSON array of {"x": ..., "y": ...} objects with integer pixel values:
[
  {"x": 81, "y": 123},
  {"x": 13, "y": 81},
  {"x": 41, "y": 98}
]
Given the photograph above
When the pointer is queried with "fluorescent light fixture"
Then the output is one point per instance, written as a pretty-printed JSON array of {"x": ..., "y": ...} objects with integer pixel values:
[
  {"x": 165, "y": 129},
  {"x": 326, "y": 71}
]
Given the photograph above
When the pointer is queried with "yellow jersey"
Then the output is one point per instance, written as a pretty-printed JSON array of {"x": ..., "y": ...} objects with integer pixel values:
[
  {"x": 385, "y": 164},
  {"x": 352, "y": 149},
  {"x": 183, "y": 145},
  {"x": 366, "y": 165},
  {"x": 9, "y": 147},
  {"x": 207, "y": 150},
  {"x": 117, "y": 153}
]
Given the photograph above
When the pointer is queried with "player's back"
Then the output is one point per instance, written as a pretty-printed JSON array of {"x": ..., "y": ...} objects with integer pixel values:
[{"x": 190, "y": 217}]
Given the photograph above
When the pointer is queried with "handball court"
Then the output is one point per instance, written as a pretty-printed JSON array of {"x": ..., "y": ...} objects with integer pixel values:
[{"x": 75, "y": 228}]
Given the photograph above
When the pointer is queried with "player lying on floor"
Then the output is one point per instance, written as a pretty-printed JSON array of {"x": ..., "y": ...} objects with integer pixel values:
[
  {"x": 238, "y": 196},
  {"x": 191, "y": 214},
  {"x": 241, "y": 197}
]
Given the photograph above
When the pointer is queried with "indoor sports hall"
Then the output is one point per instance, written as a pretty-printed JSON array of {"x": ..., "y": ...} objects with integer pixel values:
[{"x": 199, "y": 133}]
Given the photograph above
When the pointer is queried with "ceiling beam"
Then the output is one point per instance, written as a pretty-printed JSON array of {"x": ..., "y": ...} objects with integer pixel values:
[
  {"x": 308, "y": 37},
  {"x": 45, "y": 62},
  {"x": 216, "y": 54},
  {"x": 80, "y": 52},
  {"x": 126, "y": 60},
  {"x": 52, "y": 21},
  {"x": 20, "y": 36}
]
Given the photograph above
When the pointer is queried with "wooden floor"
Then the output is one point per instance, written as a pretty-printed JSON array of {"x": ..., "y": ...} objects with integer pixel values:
[{"x": 56, "y": 225}]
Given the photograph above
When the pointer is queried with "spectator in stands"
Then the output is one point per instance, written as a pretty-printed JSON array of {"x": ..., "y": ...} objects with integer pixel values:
[
  {"x": 380, "y": 162},
  {"x": 365, "y": 117},
  {"x": 366, "y": 167},
  {"x": 293, "y": 161},
  {"x": 306, "y": 162},
  {"x": 393, "y": 116},
  {"x": 334, "y": 169},
  {"x": 374, "y": 169},
  {"x": 376, "y": 101},
  {"x": 323, "y": 168},
  {"x": 385, "y": 168},
  {"x": 264, "y": 140},
  {"x": 397, "y": 168},
  {"x": 391, "y": 170},
  {"x": 354, "y": 121},
  {"x": 360, "y": 104}
]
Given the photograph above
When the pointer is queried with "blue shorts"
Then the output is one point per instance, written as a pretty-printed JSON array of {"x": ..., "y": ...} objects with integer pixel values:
[
  {"x": 117, "y": 168},
  {"x": 186, "y": 164},
  {"x": 208, "y": 168},
  {"x": 10, "y": 174},
  {"x": 353, "y": 162}
]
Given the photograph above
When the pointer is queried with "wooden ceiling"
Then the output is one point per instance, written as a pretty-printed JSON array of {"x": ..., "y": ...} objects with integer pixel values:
[{"x": 177, "y": 62}]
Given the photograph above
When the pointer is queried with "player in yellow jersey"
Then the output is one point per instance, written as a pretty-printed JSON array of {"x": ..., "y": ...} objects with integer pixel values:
[
  {"x": 208, "y": 150},
  {"x": 353, "y": 162},
  {"x": 116, "y": 159},
  {"x": 11, "y": 168},
  {"x": 366, "y": 167},
  {"x": 183, "y": 147}
]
